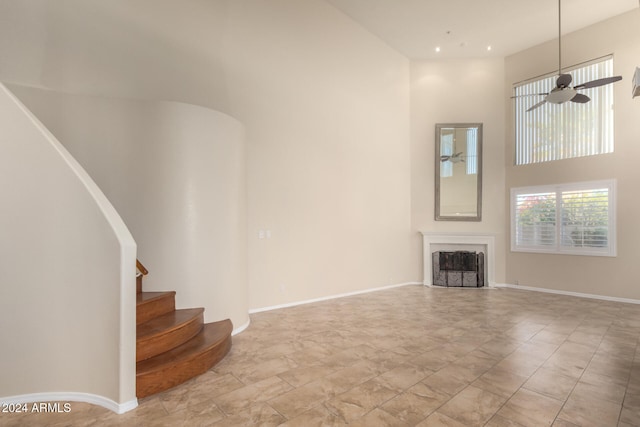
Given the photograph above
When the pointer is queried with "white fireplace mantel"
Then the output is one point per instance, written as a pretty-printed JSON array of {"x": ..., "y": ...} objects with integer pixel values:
[{"x": 430, "y": 239}]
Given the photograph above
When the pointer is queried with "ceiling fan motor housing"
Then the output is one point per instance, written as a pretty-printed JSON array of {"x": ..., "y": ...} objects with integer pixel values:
[{"x": 561, "y": 95}]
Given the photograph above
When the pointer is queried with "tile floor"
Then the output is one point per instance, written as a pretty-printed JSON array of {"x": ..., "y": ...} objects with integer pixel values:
[{"x": 411, "y": 356}]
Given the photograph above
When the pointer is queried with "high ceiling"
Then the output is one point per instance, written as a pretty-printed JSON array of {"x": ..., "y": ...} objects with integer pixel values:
[{"x": 465, "y": 28}]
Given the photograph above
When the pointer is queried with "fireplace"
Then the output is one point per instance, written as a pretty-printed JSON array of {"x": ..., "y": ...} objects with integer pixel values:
[
  {"x": 452, "y": 241},
  {"x": 458, "y": 269}
]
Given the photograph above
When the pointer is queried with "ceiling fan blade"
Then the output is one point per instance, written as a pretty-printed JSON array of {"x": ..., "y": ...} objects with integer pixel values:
[
  {"x": 444, "y": 158},
  {"x": 530, "y": 94},
  {"x": 580, "y": 98},
  {"x": 564, "y": 80},
  {"x": 537, "y": 105},
  {"x": 598, "y": 82}
]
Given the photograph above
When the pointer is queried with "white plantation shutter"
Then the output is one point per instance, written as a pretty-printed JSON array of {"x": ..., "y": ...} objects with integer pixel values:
[
  {"x": 555, "y": 132},
  {"x": 569, "y": 218},
  {"x": 536, "y": 220},
  {"x": 585, "y": 218}
]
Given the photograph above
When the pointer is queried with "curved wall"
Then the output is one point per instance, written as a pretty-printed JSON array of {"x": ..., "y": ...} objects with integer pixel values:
[
  {"x": 67, "y": 264},
  {"x": 176, "y": 174}
]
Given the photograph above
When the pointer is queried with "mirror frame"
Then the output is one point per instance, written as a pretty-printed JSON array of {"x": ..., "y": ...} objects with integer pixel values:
[{"x": 438, "y": 216}]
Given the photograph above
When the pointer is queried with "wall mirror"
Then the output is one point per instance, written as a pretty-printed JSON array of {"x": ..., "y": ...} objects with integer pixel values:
[{"x": 458, "y": 171}]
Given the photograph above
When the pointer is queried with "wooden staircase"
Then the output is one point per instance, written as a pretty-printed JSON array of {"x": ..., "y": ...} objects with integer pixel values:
[{"x": 172, "y": 345}]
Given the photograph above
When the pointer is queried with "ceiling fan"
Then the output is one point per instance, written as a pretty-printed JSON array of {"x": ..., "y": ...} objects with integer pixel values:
[
  {"x": 563, "y": 92},
  {"x": 453, "y": 158}
]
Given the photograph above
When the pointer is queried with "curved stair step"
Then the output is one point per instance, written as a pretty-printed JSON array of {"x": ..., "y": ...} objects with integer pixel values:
[
  {"x": 168, "y": 331},
  {"x": 154, "y": 304},
  {"x": 191, "y": 359}
]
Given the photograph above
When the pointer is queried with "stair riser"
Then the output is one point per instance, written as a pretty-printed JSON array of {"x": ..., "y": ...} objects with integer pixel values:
[
  {"x": 154, "y": 308},
  {"x": 170, "y": 339},
  {"x": 182, "y": 371}
]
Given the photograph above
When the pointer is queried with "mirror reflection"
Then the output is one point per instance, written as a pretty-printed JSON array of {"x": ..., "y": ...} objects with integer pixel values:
[{"x": 458, "y": 172}]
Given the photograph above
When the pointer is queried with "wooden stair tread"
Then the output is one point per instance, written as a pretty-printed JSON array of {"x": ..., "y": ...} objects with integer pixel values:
[
  {"x": 153, "y": 304},
  {"x": 167, "y": 331},
  {"x": 173, "y": 346},
  {"x": 167, "y": 322},
  {"x": 144, "y": 297},
  {"x": 212, "y": 334},
  {"x": 182, "y": 363}
]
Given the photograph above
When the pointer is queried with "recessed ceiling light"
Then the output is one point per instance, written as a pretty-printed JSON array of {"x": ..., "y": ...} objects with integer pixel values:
[
  {"x": 437, "y": 48},
  {"x": 489, "y": 47}
]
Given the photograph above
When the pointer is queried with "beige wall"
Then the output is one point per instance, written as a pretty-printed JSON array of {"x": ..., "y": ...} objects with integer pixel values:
[
  {"x": 149, "y": 49},
  {"x": 457, "y": 91},
  {"x": 324, "y": 103},
  {"x": 326, "y": 109},
  {"x": 176, "y": 173},
  {"x": 616, "y": 277},
  {"x": 67, "y": 275}
]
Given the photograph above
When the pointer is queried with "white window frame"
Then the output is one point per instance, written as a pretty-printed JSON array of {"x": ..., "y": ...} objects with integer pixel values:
[
  {"x": 569, "y": 130},
  {"x": 558, "y": 189}
]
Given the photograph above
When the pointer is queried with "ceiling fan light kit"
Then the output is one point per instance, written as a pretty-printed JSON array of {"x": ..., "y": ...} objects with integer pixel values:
[{"x": 563, "y": 92}]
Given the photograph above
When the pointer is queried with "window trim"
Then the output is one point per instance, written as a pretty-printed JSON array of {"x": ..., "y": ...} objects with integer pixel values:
[{"x": 611, "y": 248}]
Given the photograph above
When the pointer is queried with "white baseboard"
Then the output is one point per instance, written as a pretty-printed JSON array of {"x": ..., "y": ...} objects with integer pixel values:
[
  {"x": 330, "y": 297},
  {"x": 569, "y": 293},
  {"x": 239, "y": 329},
  {"x": 94, "y": 399}
]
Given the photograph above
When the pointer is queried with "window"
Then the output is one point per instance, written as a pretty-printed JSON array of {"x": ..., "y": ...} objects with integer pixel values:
[
  {"x": 576, "y": 219},
  {"x": 446, "y": 142},
  {"x": 472, "y": 151},
  {"x": 555, "y": 132}
]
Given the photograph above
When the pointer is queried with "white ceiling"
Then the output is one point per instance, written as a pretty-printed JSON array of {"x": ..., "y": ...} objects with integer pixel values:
[{"x": 464, "y": 28}]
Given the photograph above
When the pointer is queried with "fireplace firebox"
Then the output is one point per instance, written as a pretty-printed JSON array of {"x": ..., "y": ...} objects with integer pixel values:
[{"x": 458, "y": 269}]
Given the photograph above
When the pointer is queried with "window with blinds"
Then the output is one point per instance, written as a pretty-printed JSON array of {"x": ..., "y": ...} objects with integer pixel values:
[
  {"x": 574, "y": 219},
  {"x": 563, "y": 131}
]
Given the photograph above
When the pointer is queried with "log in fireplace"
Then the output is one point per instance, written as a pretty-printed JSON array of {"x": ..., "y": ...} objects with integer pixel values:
[{"x": 458, "y": 269}]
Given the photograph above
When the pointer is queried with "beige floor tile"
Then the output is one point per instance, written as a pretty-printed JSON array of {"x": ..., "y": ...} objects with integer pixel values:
[
  {"x": 403, "y": 377},
  {"x": 562, "y": 423},
  {"x": 240, "y": 399},
  {"x": 378, "y": 418},
  {"x": 305, "y": 374},
  {"x": 299, "y": 400},
  {"x": 500, "y": 381},
  {"x": 443, "y": 382},
  {"x": 552, "y": 383},
  {"x": 433, "y": 360},
  {"x": 590, "y": 412},
  {"x": 549, "y": 336},
  {"x": 416, "y": 403},
  {"x": 596, "y": 386},
  {"x": 440, "y": 420},
  {"x": 631, "y": 409},
  {"x": 500, "y": 421},
  {"x": 530, "y": 409},
  {"x": 500, "y": 347},
  {"x": 409, "y": 356},
  {"x": 317, "y": 416},
  {"x": 472, "y": 406},
  {"x": 259, "y": 414},
  {"x": 358, "y": 401}
]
